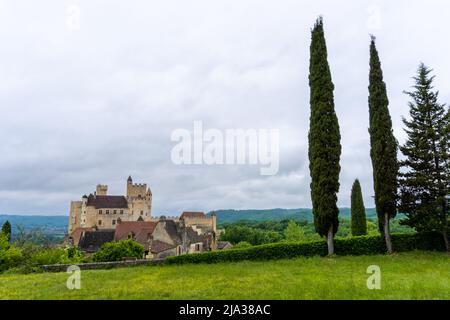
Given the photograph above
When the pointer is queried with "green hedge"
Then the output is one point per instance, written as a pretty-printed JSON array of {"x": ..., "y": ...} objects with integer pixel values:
[{"x": 364, "y": 245}]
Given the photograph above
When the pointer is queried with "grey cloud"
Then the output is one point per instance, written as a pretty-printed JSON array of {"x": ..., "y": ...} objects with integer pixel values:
[{"x": 97, "y": 104}]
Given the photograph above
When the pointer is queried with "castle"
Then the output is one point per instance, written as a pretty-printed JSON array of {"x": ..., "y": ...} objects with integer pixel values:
[
  {"x": 100, "y": 218},
  {"x": 103, "y": 211}
]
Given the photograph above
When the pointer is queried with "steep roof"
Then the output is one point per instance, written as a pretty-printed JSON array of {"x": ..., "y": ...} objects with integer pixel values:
[
  {"x": 93, "y": 240},
  {"x": 224, "y": 245},
  {"x": 140, "y": 229},
  {"x": 78, "y": 233},
  {"x": 158, "y": 246},
  {"x": 192, "y": 214},
  {"x": 108, "y": 202}
]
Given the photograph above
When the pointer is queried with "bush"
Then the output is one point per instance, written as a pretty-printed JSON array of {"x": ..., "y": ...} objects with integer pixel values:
[
  {"x": 10, "y": 256},
  {"x": 242, "y": 245},
  {"x": 364, "y": 245},
  {"x": 117, "y": 250},
  {"x": 54, "y": 256}
]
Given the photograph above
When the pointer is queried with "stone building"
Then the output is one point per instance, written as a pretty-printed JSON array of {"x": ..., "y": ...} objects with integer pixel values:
[
  {"x": 100, "y": 218},
  {"x": 161, "y": 237},
  {"x": 102, "y": 211}
]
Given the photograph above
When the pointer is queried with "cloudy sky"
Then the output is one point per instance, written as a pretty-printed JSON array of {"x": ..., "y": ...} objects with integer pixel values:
[{"x": 90, "y": 92}]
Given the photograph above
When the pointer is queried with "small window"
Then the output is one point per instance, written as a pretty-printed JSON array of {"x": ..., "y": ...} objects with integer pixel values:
[
  {"x": 107, "y": 211},
  {"x": 99, "y": 222},
  {"x": 100, "y": 211},
  {"x": 121, "y": 211},
  {"x": 114, "y": 222},
  {"x": 115, "y": 211},
  {"x": 142, "y": 212}
]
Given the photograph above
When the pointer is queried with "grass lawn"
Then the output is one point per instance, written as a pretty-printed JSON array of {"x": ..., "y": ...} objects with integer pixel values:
[{"x": 415, "y": 275}]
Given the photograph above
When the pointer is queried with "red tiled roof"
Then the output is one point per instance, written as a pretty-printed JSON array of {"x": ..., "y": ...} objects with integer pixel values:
[
  {"x": 191, "y": 214},
  {"x": 78, "y": 233},
  {"x": 143, "y": 237},
  {"x": 159, "y": 246},
  {"x": 140, "y": 229},
  {"x": 108, "y": 202}
]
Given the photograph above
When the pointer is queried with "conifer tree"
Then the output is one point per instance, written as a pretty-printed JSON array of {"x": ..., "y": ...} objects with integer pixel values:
[
  {"x": 6, "y": 230},
  {"x": 383, "y": 149},
  {"x": 324, "y": 140},
  {"x": 425, "y": 176},
  {"x": 358, "y": 212}
]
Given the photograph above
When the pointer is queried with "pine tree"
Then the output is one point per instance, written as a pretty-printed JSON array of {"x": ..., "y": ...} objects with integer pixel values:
[
  {"x": 358, "y": 212},
  {"x": 293, "y": 232},
  {"x": 6, "y": 230},
  {"x": 425, "y": 176},
  {"x": 383, "y": 147},
  {"x": 324, "y": 140}
]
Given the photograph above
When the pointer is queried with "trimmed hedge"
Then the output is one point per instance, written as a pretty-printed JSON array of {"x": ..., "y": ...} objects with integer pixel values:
[{"x": 364, "y": 245}]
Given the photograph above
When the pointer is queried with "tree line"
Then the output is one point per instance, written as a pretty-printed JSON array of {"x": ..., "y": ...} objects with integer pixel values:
[{"x": 417, "y": 186}]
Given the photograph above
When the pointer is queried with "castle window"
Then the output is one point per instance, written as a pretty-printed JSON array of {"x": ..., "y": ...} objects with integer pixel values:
[
  {"x": 142, "y": 212},
  {"x": 99, "y": 222},
  {"x": 121, "y": 211},
  {"x": 115, "y": 211},
  {"x": 113, "y": 222},
  {"x": 100, "y": 211},
  {"x": 107, "y": 211}
]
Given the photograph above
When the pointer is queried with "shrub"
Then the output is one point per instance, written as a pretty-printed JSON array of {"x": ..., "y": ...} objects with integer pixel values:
[
  {"x": 117, "y": 250},
  {"x": 54, "y": 256},
  {"x": 364, "y": 245},
  {"x": 10, "y": 256},
  {"x": 242, "y": 245}
]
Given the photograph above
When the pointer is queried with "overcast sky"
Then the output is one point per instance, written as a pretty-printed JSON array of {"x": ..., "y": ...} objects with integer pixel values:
[{"x": 92, "y": 101}]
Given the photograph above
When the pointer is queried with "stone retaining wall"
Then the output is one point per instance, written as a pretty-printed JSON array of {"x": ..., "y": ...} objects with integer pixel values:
[{"x": 101, "y": 265}]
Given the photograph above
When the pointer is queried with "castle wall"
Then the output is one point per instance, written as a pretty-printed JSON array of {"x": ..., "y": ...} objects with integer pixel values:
[
  {"x": 204, "y": 223},
  {"x": 136, "y": 190},
  {"x": 101, "y": 190},
  {"x": 139, "y": 200},
  {"x": 160, "y": 233},
  {"x": 74, "y": 215}
]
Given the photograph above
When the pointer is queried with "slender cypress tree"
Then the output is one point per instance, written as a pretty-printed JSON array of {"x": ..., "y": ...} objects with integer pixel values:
[
  {"x": 383, "y": 147},
  {"x": 6, "y": 230},
  {"x": 358, "y": 212},
  {"x": 425, "y": 176},
  {"x": 324, "y": 140}
]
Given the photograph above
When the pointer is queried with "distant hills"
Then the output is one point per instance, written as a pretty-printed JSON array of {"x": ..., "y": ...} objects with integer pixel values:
[
  {"x": 50, "y": 225},
  {"x": 304, "y": 214},
  {"x": 57, "y": 225}
]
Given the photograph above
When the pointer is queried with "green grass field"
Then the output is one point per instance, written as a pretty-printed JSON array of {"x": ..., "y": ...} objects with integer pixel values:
[{"x": 416, "y": 275}]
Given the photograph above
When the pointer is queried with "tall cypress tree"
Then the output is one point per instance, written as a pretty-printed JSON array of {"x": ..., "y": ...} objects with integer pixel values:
[
  {"x": 358, "y": 212},
  {"x": 324, "y": 140},
  {"x": 383, "y": 149},
  {"x": 425, "y": 176}
]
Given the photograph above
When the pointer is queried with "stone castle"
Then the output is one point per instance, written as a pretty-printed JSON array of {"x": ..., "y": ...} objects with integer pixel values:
[
  {"x": 104, "y": 211},
  {"x": 100, "y": 218}
]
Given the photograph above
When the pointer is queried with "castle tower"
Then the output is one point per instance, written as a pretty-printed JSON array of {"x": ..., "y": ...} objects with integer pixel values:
[{"x": 101, "y": 190}]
